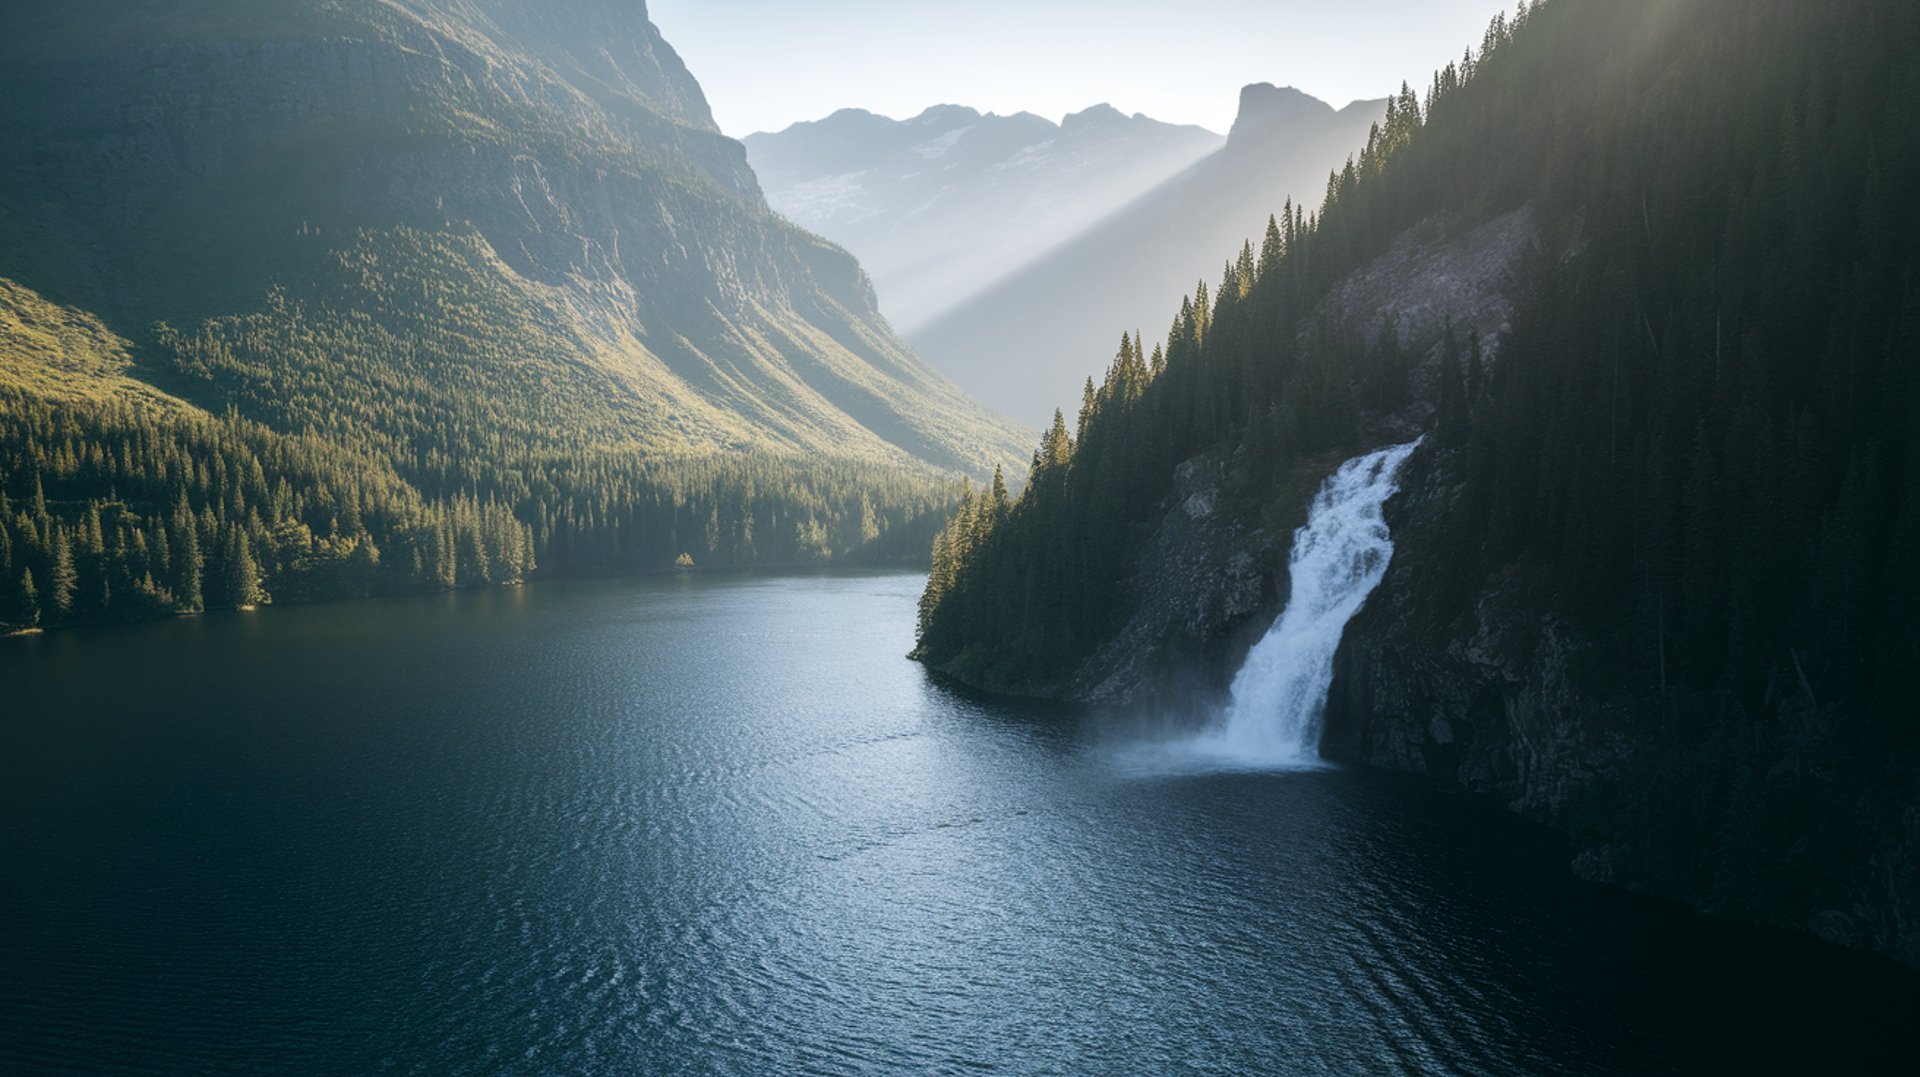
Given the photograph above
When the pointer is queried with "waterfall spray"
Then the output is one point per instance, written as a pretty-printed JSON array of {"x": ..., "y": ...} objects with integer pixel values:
[{"x": 1273, "y": 717}]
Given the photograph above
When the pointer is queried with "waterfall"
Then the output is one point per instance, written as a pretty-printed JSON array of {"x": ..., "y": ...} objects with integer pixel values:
[{"x": 1279, "y": 696}]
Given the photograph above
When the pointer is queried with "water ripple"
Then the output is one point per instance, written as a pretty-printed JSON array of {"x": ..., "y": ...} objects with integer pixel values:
[{"x": 724, "y": 828}]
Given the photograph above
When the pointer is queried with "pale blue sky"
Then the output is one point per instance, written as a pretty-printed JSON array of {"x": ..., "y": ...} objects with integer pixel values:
[{"x": 768, "y": 63}]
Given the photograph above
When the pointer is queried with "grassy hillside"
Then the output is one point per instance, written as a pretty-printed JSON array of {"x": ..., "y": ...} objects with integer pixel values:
[{"x": 62, "y": 355}]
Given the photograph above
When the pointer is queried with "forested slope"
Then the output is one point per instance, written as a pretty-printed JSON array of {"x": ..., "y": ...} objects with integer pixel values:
[
  {"x": 125, "y": 502},
  {"x": 490, "y": 256},
  {"x": 1657, "y": 570}
]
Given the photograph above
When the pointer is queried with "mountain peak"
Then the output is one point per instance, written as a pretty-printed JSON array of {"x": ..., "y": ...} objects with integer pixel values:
[
  {"x": 608, "y": 48},
  {"x": 1265, "y": 107},
  {"x": 1100, "y": 113},
  {"x": 947, "y": 114}
]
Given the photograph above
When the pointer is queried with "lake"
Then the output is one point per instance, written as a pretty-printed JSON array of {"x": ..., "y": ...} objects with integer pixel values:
[{"x": 721, "y": 825}]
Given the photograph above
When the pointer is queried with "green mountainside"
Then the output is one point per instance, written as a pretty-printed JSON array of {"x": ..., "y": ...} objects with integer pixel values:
[
  {"x": 1647, "y": 275},
  {"x": 490, "y": 260}
]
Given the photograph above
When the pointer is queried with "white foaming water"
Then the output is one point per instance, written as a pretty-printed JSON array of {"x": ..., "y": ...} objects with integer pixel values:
[{"x": 1280, "y": 694}]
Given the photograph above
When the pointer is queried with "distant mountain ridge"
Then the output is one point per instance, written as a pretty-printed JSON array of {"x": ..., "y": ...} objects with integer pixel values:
[
  {"x": 1026, "y": 345},
  {"x": 941, "y": 205}
]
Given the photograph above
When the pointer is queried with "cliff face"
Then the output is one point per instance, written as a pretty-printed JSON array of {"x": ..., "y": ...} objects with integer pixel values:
[
  {"x": 1212, "y": 573},
  {"x": 607, "y": 50},
  {"x": 1472, "y": 677},
  {"x": 1500, "y": 697},
  {"x": 185, "y": 172},
  {"x": 1486, "y": 688},
  {"x": 1208, "y": 582},
  {"x": 380, "y": 131}
]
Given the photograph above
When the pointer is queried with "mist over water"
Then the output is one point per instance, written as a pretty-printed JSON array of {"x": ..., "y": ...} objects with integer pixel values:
[{"x": 1272, "y": 719}]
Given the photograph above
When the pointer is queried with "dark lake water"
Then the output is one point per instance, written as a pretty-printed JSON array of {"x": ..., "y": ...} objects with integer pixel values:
[{"x": 692, "y": 826}]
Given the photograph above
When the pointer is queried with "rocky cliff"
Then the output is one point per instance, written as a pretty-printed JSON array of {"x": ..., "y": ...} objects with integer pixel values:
[
  {"x": 1472, "y": 677},
  {"x": 1212, "y": 572},
  {"x": 1476, "y": 682},
  {"x": 175, "y": 168}
]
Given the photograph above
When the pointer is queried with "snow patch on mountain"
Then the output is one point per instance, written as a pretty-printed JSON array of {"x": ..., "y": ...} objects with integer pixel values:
[
  {"x": 829, "y": 200},
  {"x": 938, "y": 147},
  {"x": 1038, "y": 153}
]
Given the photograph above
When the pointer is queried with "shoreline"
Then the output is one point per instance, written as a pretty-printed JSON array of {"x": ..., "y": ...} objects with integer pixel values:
[{"x": 669, "y": 571}]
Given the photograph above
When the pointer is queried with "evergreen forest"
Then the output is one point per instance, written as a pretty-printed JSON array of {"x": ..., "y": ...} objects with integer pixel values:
[
  {"x": 1694, "y": 440},
  {"x": 312, "y": 300}
]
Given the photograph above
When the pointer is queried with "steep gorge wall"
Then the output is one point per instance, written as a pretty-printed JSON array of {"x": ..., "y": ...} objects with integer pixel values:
[{"x": 1477, "y": 682}]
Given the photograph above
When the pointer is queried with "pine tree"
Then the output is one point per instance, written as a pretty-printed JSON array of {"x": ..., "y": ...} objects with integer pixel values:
[
  {"x": 1089, "y": 407},
  {"x": 66, "y": 580},
  {"x": 92, "y": 533},
  {"x": 29, "y": 600},
  {"x": 1056, "y": 448},
  {"x": 445, "y": 562},
  {"x": 1273, "y": 248},
  {"x": 189, "y": 563},
  {"x": 242, "y": 572}
]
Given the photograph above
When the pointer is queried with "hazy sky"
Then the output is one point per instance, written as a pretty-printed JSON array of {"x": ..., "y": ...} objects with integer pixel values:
[{"x": 768, "y": 63}]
